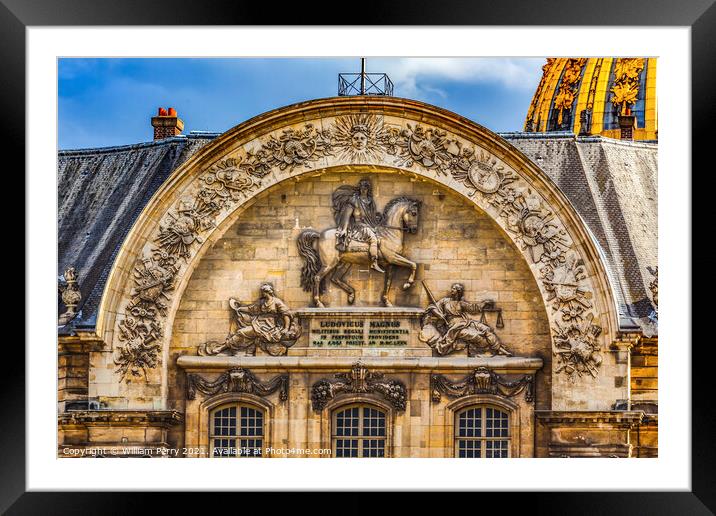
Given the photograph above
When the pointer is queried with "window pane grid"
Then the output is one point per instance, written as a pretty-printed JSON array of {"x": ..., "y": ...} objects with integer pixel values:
[
  {"x": 245, "y": 426},
  {"x": 366, "y": 426},
  {"x": 482, "y": 432}
]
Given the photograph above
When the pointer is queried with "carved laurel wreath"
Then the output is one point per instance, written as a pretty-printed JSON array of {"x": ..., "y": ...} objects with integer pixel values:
[{"x": 535, "y": 227}]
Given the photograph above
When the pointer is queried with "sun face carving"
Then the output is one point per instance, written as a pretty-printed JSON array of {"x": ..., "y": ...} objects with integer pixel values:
[{"x": 359, "y": 137}]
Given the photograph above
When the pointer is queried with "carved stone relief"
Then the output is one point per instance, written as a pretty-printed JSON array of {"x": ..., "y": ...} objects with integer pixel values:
[
  {"x": 362, "y": 138},
  {"x": 482, "y": 380},
  {"x": 577, "y": 349},
  {"x": 330, "y": 254},
  {"x": 238, "y": 380},
  {"x": 359, "y": 381},
  {"x": 446, "y": 327},
  {"x": 266, "y": 323}
]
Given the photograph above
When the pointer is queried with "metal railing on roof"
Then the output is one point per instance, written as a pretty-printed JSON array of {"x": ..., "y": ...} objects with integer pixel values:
[{"x": 364, "y": 84}]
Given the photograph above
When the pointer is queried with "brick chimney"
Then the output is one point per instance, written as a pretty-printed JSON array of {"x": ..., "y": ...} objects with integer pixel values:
[{"x": 167, "y": 124}]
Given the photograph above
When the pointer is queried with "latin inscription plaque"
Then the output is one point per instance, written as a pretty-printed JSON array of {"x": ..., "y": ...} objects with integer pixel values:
[
  {"x": 386, "y": 328},
  {"x": 359, "y": 332}
]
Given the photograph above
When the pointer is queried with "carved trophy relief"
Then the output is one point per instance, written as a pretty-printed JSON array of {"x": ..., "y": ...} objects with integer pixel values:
[
  {"x": 362, "y": 236},
  {"x": 447, "y": 328},
  {"x": 295, "y": 148},
  {"x": 562, "y": 284},
  {"x": 267, "y": 323},
  {"x": 139, "y": 353},
  {"x": 577, "y": 348},
  {"x": 536, "y": 228}
]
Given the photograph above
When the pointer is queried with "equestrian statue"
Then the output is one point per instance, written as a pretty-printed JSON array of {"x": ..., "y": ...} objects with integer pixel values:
[{"x": 362, "y": 236}]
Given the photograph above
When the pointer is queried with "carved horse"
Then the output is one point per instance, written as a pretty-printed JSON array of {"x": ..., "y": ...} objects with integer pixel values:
[{"x": 400, "y": 216}]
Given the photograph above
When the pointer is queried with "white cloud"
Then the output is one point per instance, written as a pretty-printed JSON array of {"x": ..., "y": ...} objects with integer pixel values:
[{"x": 413, "y": 76}]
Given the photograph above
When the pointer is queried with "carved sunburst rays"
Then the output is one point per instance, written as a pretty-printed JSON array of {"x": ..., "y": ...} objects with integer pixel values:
[{"x": 359, "y": 138}]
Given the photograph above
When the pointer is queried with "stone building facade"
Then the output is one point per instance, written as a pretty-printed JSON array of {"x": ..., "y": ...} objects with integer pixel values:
[{"x": 220, "y": 314}]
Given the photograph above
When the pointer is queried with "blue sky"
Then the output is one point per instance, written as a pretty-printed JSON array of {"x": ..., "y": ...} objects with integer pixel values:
[{"x": 104, "y": 102}]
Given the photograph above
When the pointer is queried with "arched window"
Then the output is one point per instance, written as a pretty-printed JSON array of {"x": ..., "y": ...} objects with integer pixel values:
[
  {"x": 482, "y": 431},
  {"x": 237, "y": 430},
  {"x": 359, "y": 431}
]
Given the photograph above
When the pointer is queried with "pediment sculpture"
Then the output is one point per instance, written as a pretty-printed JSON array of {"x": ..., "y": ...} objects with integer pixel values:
[
  {"x": 447, "y": 327},
  {"x": 267, "y": 323},
  {"x": 362, "y": 236}
]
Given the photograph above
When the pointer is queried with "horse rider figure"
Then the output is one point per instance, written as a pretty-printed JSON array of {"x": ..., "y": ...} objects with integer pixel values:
[{"x": 357, "y": 218}]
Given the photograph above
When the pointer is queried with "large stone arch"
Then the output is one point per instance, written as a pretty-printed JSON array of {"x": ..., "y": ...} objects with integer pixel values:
[{"x": 310, "y": 138}]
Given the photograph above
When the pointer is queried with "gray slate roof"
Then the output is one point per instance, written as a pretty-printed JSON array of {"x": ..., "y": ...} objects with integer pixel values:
[
  {"x": 101, "y": 192},
  {"x": 611, "y": 183},
  {"x": 613, "y": 186}
]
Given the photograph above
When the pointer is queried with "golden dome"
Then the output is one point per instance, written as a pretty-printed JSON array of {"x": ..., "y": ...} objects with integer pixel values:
[{"x": 613, "y": 97}]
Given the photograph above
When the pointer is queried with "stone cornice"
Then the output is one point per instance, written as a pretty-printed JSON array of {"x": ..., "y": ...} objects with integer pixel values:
[
  {"x": 162, "y": 418},
  {"x": 589, "y": 418},
  {"x": 499, "y": 364},
  {"x": 373, "y": 311},
  {"x": 80, "y": 342}
]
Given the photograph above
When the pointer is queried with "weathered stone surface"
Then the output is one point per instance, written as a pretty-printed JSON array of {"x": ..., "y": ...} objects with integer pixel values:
[{"x": 498, "y": 249}]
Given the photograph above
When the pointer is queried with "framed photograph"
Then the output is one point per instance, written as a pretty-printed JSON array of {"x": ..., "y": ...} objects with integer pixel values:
[{"x": 360, "y": 253}]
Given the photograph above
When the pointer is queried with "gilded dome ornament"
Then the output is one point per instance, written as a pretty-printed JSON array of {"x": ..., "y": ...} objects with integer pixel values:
[{"x": 610, "y": 97}]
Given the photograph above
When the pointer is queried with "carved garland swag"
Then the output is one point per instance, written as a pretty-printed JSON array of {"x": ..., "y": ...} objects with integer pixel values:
[
  {"x": 481, "y": 381},
  {"x": 238, "y": 380}
]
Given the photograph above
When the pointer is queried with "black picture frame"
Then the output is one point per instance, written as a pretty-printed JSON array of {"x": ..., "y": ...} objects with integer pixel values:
[{"x": 699, "y": 15}]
